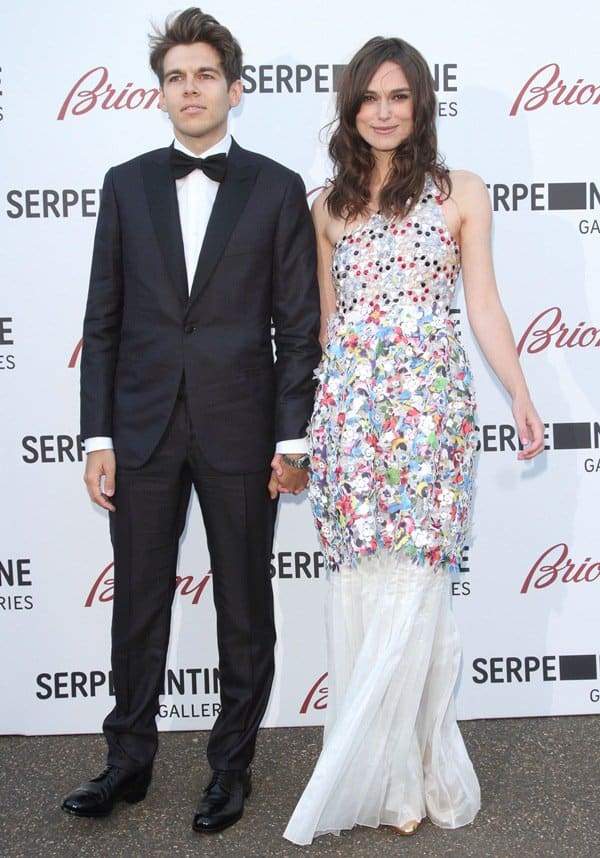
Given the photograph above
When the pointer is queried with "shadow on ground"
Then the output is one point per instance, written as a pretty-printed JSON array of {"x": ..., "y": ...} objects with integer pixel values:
[{"x": 539, "y": 780}]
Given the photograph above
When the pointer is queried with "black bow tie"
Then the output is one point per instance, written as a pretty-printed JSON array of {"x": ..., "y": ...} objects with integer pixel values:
[{"x": 214, "y": 166}]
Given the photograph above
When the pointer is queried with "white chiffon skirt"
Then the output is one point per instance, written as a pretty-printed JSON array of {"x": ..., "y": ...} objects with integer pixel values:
[{"x": 392, "y": 750}]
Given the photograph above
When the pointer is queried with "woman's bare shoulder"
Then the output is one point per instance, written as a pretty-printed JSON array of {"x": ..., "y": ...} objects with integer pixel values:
[
  {"x": 469, "y": 191},
  {"x": 466, "y": 181}
]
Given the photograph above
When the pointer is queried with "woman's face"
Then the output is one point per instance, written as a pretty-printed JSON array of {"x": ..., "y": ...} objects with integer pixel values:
[{"x": 385, "y": 117}]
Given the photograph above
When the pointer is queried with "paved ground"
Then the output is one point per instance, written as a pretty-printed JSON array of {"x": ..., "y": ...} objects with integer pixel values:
[{"x": 539, "y": 776}]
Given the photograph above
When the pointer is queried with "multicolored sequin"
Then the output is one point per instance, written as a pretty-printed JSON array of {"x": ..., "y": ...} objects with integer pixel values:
[{"x": 393, "y": 430}]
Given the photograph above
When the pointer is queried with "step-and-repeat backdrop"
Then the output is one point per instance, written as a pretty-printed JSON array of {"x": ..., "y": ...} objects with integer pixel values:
[{"x": 519, "y": 103}]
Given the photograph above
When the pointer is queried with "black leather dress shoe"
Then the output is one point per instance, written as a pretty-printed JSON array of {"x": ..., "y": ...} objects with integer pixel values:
[
  {"x": 223, "y": 801},
  {"x": 97, "y": 797}
]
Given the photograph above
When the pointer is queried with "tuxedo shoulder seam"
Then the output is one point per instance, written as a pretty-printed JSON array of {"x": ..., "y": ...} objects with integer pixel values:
[
  {"x": 264, "y": 162},
  {"x": 153, "y": 155}
]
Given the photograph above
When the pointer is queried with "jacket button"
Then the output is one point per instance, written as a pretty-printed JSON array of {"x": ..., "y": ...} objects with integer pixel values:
[{"x": 189, "y": 329}]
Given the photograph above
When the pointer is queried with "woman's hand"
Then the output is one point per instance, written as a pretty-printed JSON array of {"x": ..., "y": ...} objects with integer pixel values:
[{"x": 529, "y": 427}]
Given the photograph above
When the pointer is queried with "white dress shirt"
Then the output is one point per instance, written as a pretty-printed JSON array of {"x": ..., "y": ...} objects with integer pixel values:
[{"x": 196, "y": 194}]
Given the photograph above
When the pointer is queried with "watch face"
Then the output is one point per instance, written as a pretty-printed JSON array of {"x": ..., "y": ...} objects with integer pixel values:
[{"x": 302, "y": 462}]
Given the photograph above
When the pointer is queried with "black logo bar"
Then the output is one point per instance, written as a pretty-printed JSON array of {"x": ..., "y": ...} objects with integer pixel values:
[
  {"x": 564, "y": 196},
  {"x": 577, "y": 667},
  {"x": 572, "y": 436}
]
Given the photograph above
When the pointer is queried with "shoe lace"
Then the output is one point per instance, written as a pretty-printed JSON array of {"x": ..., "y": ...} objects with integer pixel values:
[
  {"x": 221, "y": 779},
  {"x": 108, "y": 772}
]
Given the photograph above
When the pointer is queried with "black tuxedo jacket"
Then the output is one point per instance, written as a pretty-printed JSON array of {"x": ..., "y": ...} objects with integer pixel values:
[{"x": 143, "y": 333}]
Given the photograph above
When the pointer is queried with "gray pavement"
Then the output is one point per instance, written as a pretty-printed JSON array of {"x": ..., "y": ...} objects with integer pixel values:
[{"x": 539, "y": 779}]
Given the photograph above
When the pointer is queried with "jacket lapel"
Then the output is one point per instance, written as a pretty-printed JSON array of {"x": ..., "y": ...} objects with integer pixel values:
[
  {"x": 232, "y": 196},
  {"x": 161, "y": 194}
]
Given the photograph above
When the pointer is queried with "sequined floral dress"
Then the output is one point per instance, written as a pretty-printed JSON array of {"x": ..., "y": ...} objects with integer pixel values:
[{"x": 393, "y": 443}]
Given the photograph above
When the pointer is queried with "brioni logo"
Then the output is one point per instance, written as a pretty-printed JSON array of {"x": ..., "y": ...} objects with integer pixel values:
[
  {"x": 103, "y": 587},
  {"x": 555, "y": 566},
  {"x": 75, "y": 355},
  {"x": 549, "y": 330},
  {"x": 316, "y": 697},
  {"x": 545, "y": 86},
  {"x": 93, "y": 89}
]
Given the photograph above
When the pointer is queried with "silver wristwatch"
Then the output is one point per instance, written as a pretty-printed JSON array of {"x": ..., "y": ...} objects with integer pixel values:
[{"x": 300, "y": 463}]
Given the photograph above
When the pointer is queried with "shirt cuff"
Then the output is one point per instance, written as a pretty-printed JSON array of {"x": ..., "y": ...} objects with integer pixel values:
[
  {"x": 296, "y": 445},
  {"x": 91, "y": 445}
]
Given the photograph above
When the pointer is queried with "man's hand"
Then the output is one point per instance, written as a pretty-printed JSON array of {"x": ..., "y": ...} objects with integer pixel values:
[
  {"x": 285, "y": 479},
  {"x": 99, "y": 477}
]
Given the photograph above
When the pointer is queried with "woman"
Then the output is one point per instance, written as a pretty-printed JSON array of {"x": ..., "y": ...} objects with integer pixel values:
[{"x": 393, "y": 440}]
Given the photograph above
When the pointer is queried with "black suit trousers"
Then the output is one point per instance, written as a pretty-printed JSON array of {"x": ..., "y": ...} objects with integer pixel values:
[{"x": 239, "y": 518}]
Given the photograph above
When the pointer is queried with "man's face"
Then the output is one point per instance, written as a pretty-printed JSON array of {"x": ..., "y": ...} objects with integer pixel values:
[{"x": 196, "y": 96}]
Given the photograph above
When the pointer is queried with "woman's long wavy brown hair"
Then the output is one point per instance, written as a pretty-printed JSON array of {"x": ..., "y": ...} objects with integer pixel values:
[{"x": 352, "y": 158}]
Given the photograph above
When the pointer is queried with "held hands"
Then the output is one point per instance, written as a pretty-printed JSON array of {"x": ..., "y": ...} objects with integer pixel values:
[
  {"x": 529, "y": 427},
  {"x": 99, "y": 477},
  {"x": 285, "y": 479}
]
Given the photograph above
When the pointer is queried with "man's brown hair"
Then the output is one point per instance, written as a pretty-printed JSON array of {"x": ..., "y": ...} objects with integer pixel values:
[{"x": 194, "y": 25}]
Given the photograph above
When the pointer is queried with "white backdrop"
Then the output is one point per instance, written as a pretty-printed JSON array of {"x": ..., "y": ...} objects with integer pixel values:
[{"x": 519, "y": 92}]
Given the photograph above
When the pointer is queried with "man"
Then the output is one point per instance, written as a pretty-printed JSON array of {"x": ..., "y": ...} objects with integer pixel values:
[{"x": 192, "y": 261}]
